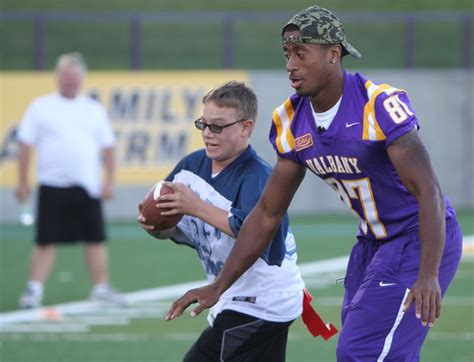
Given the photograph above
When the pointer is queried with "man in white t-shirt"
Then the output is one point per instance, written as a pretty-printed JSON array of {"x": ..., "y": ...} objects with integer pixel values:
[{"x": 73, "y": 137}]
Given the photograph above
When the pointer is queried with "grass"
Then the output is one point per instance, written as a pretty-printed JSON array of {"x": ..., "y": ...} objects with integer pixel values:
[{"x": 139, "y": 262}]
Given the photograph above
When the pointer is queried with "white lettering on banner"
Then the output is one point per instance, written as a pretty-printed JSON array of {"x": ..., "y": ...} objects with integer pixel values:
[
  {"x": 143, "y": 147},
  {"x": 150, "y": 128},
  {"x": 152, "y": 114},
  {"x": 145, "y": 105}
]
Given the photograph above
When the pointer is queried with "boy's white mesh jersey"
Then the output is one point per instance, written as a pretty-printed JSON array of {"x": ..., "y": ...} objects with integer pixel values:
[{"x": 272, "y": 288}]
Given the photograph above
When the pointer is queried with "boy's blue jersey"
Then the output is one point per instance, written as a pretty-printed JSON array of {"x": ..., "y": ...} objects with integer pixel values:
[{"x": 241, "y": 184}]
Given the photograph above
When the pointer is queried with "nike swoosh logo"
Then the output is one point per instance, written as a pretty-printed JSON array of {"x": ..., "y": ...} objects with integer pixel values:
[
  {"x": 382, "y": 284},
  {"x": 351, "y": 124}
]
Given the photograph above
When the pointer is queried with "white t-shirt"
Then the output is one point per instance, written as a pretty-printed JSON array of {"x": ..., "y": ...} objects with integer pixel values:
[
  {"x": 69, "y": 136},
  {"x": 324, "y": 119}
]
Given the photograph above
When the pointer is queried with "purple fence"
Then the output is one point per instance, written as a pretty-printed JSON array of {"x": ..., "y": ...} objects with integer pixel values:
[{"x": 229, "y": 19}]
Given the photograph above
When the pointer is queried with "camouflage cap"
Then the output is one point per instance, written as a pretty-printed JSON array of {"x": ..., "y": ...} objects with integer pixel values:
[{"x": 319, "y": 26}]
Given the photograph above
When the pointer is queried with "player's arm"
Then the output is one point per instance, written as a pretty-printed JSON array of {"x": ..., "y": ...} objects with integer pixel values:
[
  {"x": 23, "y": 188},
  {"x": 254, "y": 236},
  {"x": 186, "y": 201},
  {"x": 165, "y": 234},
  {"x": 413, "y": 164},
  {"x": 108, "y": 155}
]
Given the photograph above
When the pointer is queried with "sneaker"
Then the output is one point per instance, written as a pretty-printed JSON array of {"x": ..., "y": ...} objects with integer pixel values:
[
  {"x": 108, "y": 295},
  {"x": 30, "y": 299}
]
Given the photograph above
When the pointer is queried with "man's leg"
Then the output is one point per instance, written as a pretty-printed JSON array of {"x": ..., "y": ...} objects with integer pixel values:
[
  {"x": 97, "y": 262},
  {"x": 42, "y": 260},
  {"x": 95, "y": 249},
  {"x": 376, "y": 328}
]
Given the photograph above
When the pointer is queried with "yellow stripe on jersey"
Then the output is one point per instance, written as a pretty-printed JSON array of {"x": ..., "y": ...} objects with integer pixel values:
[
  {"x": 371, "y": 129},
  {"x": 282, "y": 118}
]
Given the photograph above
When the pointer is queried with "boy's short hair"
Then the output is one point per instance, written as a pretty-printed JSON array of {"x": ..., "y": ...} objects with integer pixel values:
[{"x": 236, "y": 95}]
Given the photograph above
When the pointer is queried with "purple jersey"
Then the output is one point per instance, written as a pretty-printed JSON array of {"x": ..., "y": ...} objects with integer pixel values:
[{"x": 351, "y": 155}]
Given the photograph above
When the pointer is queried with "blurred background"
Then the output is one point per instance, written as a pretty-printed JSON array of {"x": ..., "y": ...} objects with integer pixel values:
[{"x": 149, "y": 63}]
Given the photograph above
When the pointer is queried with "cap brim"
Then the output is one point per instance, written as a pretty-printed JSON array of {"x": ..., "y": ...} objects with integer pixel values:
[{"x": 351, "y": 50}]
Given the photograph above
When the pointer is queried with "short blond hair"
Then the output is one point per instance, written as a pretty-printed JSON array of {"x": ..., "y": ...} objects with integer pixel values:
[
  {"x": 75, "y": 58},
  {"x": 235, "y": 95}
]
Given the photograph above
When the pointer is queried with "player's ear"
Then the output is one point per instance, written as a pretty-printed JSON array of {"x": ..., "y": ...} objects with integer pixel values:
[{"x": 334, "y": 53}]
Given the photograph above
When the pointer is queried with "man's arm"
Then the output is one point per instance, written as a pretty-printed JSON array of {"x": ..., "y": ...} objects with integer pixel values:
[
  {"x": 414, "y": 167},
  {"x": 108, "y": 155},
  {"x": 23, "y": 188},
  {"x": 255, "y": 234}
]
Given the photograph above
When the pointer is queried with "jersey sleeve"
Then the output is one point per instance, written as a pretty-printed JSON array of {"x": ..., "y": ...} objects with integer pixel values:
[
  {"x": 281, "y": 136},
  {"x": 249, "y": 192},
  {"x": 179, "y": 166},
  {"x": 247, "y": 197},
  {"x": 394, "y": 115}
]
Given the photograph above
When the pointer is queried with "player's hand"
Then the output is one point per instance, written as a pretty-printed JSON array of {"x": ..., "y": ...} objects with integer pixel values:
[
  {"x": 108, "y": 190},
  {"x": 143, "y": 223},
  {"x": 426, "y": 293},
  {"x": 22, "y": 192},
  {"x": 206, "y": 296},
  {"x": 151, "y": 229},
  {"x": 182, "y": 201}
]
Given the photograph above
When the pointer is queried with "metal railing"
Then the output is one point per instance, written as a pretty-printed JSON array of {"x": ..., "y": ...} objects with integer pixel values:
[{"x": 229, "y": 20}]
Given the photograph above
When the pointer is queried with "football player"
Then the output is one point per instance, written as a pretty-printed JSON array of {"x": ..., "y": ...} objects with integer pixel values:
[{"x": 361, "y": 138}]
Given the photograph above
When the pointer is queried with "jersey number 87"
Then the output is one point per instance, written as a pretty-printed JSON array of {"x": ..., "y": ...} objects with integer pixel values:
[{"x": 360, "y": 190}]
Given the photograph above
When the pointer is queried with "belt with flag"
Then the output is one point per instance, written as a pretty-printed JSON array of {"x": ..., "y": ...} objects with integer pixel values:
[{"x": 313, "y": 321}]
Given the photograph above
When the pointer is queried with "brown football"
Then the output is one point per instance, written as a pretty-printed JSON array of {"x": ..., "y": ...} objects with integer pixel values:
[{"x": 152, "y": 214}]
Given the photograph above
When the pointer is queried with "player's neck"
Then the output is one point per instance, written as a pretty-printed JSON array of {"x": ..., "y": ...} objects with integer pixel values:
[
  {"x": 327, "y": 97},
  {"x": 219, "y": 165},
  {"x": 69, "y": 96}
]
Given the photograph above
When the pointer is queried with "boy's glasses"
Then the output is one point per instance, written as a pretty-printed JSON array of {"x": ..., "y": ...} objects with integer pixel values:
[{"x": 214, "y": 128}]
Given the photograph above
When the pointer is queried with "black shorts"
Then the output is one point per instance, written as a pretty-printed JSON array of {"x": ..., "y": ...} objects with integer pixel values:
[
  {"x": 240, "y": 337},
  {"x": 68, "y": 215}
]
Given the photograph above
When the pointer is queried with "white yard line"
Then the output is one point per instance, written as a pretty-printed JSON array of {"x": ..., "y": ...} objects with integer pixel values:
[
  {"x": 324, "y": 269},
  {"x": 58, "y": 311}
]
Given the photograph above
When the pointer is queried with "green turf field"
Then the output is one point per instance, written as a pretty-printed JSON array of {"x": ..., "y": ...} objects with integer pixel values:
[{"x": 139, "y": 262}]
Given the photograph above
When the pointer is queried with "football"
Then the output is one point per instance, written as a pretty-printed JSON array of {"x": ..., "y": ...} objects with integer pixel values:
[{"x": 152, "y": 214}]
